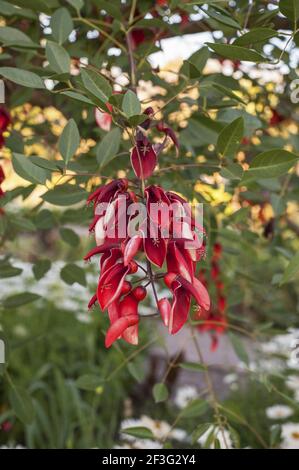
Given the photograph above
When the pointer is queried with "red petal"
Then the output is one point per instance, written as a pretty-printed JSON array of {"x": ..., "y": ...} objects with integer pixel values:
[
  {"x": 118, "y": 328},
  {"x": 131, "y": 248},
  {"x": 155, "y": 249},
  {"x": 198, "y": 290},
  {"x": 143, "y": 163},
  {"x": 110, "y": 284},
  {"x": 165, "y": 310},
  {"x": 179, "y": 310}
]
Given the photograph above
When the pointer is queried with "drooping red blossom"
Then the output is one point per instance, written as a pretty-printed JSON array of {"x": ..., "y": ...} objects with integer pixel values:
[{"x": 143, "y": 157}]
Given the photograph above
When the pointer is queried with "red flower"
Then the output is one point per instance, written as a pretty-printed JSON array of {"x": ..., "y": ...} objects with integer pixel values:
[
  {"x": 143, "y": 158},
  {"x": 183, "y": 290},
  {"x": 108, "y": 191},
  {"x": 127, "y": 309},
  {"x": 111, "y": 283},
  {"x": 5, "y": 119}
]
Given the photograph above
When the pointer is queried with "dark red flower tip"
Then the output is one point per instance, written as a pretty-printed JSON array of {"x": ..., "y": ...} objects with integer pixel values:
[
  {"x": 165, "y": 310},
  {"x": 143, "y": 158},
  {"x": 155, "y": 249},
  {"x": 92, "y": 301},
  {"x": 5, "y": 119},
  {"x": 97, "y": 250},
  {"x": 106, "y": 192}
]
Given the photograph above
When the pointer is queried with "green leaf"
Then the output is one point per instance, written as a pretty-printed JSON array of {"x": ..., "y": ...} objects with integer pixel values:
[
  {"x": 65, "y": 195},
  {"x": 198, "y": 61},
  {"x": 239, "y": 348},
  {"x": 108, "y": 147},
  {"x": 233, "y": 171},
  {"x": 24, "y": 167},
  {"x": 40, "y": 268},
  {"x": 290, "y": 9},
  {"x": 7, "y": 270},
  {"x": 61, "y": 24},
  {"x": 12, "y": 36},
  {"x": 255, "y": 36},
  {"x": 22, "y": 77},
  {"x": 223, "y": 19},
  {"x": 160, "y": 392},
  {"x": 96, "y": 84},
  {"x": 291, "y": 271},
  {"x": 69, "y": 236},
  {"x": 193, "y": 366},
  {"x": 17, "y": 300},
  {"x": 77, "y": 4},
  {"x": 23, "y": 224},
  {"x": 21, "y": 403},
  {"x": 78, "y": 97},
  {"x": 137, "y": 372},
  {"x": 195, "y": 408},
  {"x": 6, "y": 9},
  {"x": 199, "y": 431},
  {"x": 139, "y": 432},
  {"x": 230, "y": 137},
  {"x": 69, "y": 141},
  {"x": 270, "y": 164},
  {"x": 72, "y": 273},
  {"x": 89, "y": 382},
  {"x": 58, "y": 58},
  {"x": 131, "y": 105},
  {"x": 237, "y": 52}
]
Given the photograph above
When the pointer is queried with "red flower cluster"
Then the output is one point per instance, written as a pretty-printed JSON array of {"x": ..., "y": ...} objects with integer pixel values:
[
  {"x": 214, "y": 321},
  {"x": 4, "y": 123},
  {"x": 166, "y": 234}
]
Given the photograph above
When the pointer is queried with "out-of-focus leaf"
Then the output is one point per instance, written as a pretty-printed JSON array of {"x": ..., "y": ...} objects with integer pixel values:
[
  {"x": 72, "y": 273},
  {"x": 160, "y": 392},
  {"x": 255, "y": 36},
  {"x": 239, "y": 348},
  {"x": 22, "y": 77},
  {"x": 96, "y": 84},
  {"x": 69, "y": 236},
  {"x": 65, "y": 195},
  {"x": 21, "y": 403},
  {"x": 61, "y": 25},
  {"x": 12, "y": 36},
  {"x": 193, "y": 366},
  {"x": 195, "y": 408},
  {"x": 139, "y": 432},
  {"x": 24, "y": 167},
  {"x": 237, "y": 52},
  {"x": 230, "y": 137},
  {"x": 291, "y": 271},
  {"x": 17, "y": 300},
  {"x": 58, "y": 57},
  {"x": 108, "y": 147},
  {"x": 40, "y": 268},
  {"x": 131, "y": 105},
  {"x": 89, "y": 382},
  {"x": 270, "y": 164},
  {"x": 290, "y": 9},
  {"x": 69, "y": 141}
]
